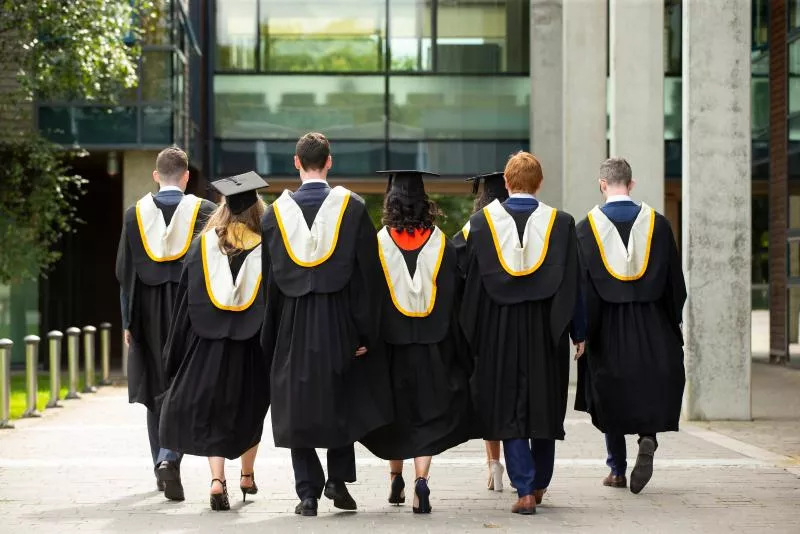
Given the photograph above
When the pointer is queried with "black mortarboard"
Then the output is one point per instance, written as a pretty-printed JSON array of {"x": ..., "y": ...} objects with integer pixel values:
[
  {"x": 494, "y": 185},
  {"x": 240, "y": 191},
  {"x": 407, "y": 184}
]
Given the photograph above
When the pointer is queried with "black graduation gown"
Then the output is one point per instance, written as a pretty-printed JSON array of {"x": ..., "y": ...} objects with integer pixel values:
[
  {"x": 147, "y": 290},
  {"x": 460, "y": 247},
  {"x": 219, "y": 383},
  {"x": 322, "y": 395},
  {"x": 430, "y": 366},
  {"x": 518, "y": 331},
  {"x": 631, "y": 376}
]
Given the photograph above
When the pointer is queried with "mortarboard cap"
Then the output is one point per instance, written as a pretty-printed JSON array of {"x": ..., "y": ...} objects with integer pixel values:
[
  {"x": 408, "y": 185},
  {"x": 494, "y": 185},
  {"x": 240, "y": 191}
]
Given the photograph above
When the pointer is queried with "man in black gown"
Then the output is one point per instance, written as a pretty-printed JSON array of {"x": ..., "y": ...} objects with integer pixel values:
[
  {"x": 156, "y": 234},
  {"x": 520, "y": 307},
  {"x": 631, "y": 378},
  {"x": 329, "y": 381}
]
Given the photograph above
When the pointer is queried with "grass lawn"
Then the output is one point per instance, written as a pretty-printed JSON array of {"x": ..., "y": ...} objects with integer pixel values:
[{"x": 18, "y": 392}]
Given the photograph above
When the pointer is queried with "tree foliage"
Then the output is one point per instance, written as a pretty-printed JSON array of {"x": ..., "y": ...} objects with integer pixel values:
[{"x": 77, "y": 50}]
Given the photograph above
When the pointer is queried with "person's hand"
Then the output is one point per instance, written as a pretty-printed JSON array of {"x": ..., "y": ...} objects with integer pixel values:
[
  {"x": 361, "y": 351},
  {"x": 579, "y": 348},
  {"x": 128, "y": 337}
]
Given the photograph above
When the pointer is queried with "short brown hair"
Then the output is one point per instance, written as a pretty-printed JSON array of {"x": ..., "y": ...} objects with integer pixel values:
[
  {"x": 171, "y": 164},
  {"x": 313, "y": 150},
  {"x": 523, "y": 173}
]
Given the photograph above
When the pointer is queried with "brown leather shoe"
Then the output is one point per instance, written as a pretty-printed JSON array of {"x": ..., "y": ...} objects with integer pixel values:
[
  {"x": 613, "y": 481},
  {"x": 525, "y": 505},
  {"x": 538, "y": 495}
]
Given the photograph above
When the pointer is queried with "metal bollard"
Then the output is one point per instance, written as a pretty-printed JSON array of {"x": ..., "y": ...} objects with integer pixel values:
[
  {"x": 72, "y": 362},
  {"x": 31, "y": 376},
  {"x": 105, "y": 353},
  {"x": 88, "y": 358},
  {"x": 5, "y": 382},
  {"x": 55, "y": 338}
]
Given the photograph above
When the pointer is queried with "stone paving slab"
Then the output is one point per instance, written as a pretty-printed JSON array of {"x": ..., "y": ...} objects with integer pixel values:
[{"x": 85, "y": 468}]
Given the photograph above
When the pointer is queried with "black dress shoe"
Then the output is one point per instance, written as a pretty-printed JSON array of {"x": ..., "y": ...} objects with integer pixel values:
[
  {"x": 169, "y": 474},
  {"x": 160, "y": 485},
  {"x": 337, "y": 491},
  {"x": 307, "y": 507},
  {"x": 643, "y": 470}
]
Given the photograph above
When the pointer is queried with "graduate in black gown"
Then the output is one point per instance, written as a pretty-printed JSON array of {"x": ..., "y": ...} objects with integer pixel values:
[
  {"x": 494, "y": 187},
  {"x": 156, "y": 234},
  {"x": 520, "y": 305},
  {"x": 428, "y": 359},
  {"x": 329, "y": 381},
  {"x": 219, "y": 384},
  {"x": 631, "y": 378}
]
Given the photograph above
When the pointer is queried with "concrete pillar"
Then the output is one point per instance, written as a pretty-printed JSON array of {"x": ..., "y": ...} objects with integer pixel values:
[
  {"x": 584, "y": 103},
  {"x": 137, "y": 175},
  {"x": 636, "y": 93},
  {"x": 546, "y": 87},
  {"x": 716, "y": 207}
]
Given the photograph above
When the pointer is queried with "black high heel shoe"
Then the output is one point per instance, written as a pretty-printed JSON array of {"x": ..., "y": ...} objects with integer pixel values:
[
  {"x": 422, "y": 493},
  {"x": 219, "y": 501},
  {"x": 252, "y": 490},
  {"x": 397, "y": 495}
]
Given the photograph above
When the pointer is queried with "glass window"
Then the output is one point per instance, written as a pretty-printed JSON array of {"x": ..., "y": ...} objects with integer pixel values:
[
  {"x": 454, "y": 158},
  {"x": 88, "y": 125},
  {"x": 459, "y": 107},
  {"x": 410, "y": 41},
  {"x": 237, "y": 31},
  {"x": 673, "y": 98},
  {"x": 760, "y": 23},
  {"x": 315, "y": 36},
  {"x": 794, "y": 76},
  {"x": 156, "y": 76},
  {"x": 794, "y": 15},
  {"x": 287, "y": 106},
  {"x": 482, "y": 37},
  {"x": 672, "y": 37}
]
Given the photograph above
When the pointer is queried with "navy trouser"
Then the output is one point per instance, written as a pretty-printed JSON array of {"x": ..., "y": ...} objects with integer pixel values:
[
  {"x": 309, "y": 478},
  {"x": 530, "y": 463},
  {"x": 617, "y": 459},
  {"x": 159, "y": 455}
]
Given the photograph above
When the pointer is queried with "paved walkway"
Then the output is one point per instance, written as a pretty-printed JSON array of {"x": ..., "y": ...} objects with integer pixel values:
[{"x": 86, "y": 468}]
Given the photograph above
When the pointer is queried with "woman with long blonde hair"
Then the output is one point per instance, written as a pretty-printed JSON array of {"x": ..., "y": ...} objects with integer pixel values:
[{"x": 219, "y": 394}]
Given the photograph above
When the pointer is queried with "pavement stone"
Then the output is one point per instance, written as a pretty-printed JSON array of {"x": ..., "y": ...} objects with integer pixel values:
[{"x": 86, "y": 468}]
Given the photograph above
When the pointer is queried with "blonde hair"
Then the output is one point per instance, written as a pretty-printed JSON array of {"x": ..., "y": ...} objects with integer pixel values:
[
  {"x": 523, "y": 173},
  {"x": 230, "y": 227}
]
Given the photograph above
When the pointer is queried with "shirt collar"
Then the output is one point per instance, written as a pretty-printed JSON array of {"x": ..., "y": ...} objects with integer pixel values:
[
  {"x": 618, "y": 198},
  {"x": 315, "y": 181},
  {"x": 522, "y": 195},
  {"x": 170, "y": 188}
]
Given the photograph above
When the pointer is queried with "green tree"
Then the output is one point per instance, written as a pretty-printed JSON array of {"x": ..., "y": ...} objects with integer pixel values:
[{"x": 77, "y": 50}]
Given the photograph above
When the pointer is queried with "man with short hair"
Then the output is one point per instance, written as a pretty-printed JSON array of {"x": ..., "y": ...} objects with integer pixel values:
[
  {"x": 328, "y": 377},
  {"x": 156, "y": 234},
  {"x": 519, "y": 310},
  {"x": 631, "y": 378}
]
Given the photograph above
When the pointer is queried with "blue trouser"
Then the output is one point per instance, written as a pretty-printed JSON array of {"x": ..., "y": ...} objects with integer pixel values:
[
  {"x": 530, "y": 463},
  {"x": 617, "y": 459},
  {"x": 159, "y": 455}
]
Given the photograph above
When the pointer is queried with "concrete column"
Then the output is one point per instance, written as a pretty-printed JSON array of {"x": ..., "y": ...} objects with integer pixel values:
[
  {"x": 716, "y": 207},
  {"x": 137, "y": 175},
  {"x": 636, "y": 93},
  {"x": 584, "y": 103},
  {"x": 546, "y": 87}
]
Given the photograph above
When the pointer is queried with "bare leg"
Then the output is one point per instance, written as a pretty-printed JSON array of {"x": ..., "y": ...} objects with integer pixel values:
[
  {"x": 495, "y": 481},
  {"x": 422, "y": 466},
  {"x": 217, "y": 465},
  {"x": 248, "y": 463},
  {"x": 492, "y": 450},
  {"x": 395, "y": 467}
]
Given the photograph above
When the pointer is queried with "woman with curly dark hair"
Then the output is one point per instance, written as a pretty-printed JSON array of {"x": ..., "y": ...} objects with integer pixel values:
[{"x": 428, "y": 359}]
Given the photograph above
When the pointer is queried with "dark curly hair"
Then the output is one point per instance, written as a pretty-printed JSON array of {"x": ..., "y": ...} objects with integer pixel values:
[
  {"x": 481, "y": 201},
  {"x": 402, "y": 215}
]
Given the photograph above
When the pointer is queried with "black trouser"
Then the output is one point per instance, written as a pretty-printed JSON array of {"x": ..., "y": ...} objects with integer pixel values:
[
  {"x": 309, "y": 479},
  {"x": 159, "y": 455}
]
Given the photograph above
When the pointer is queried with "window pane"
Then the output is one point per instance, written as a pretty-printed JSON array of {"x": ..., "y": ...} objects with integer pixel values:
[
  {"x": 156, "y": 77},
  {"x": 157, "y": 125},
  {"x": 760, "y": 23},
  {"x": 794, "y": 76},
  {"x": 794, "y": 14},
  {"x": 672, "y": 36},
  {"x": 482, "y": 37},
  {"x": 317, "y": 36},
  {"x": 459, "y": 107},
  {"x": 88, "y": 125},
  {"x": 287, "y": 106},
  {"x": 276, "y": 157},
  {"x": 454, "y": 158},
  {"x": 236, "y": 34},
  {"x": 672, "y": 108},
  {"x": 410, "y": 34}
]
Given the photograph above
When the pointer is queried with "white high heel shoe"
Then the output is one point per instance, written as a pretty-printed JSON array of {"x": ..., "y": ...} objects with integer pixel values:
[{"x": 496, "y": 470}]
